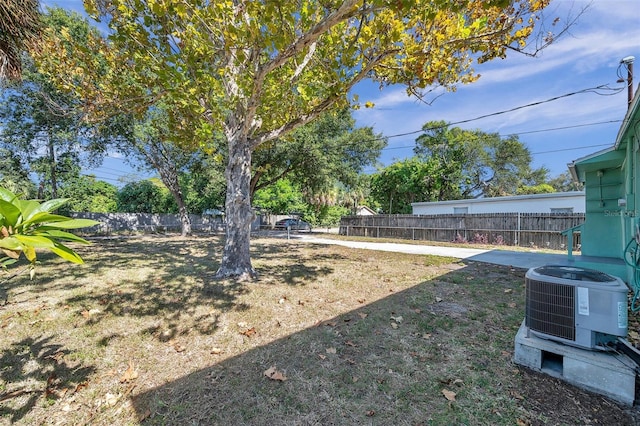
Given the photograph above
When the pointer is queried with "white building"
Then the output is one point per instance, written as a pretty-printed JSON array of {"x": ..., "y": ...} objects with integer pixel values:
[{"x": 557, "y": 202}]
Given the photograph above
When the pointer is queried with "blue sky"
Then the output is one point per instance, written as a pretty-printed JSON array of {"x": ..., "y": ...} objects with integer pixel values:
[{"x": 587, "y": 57}]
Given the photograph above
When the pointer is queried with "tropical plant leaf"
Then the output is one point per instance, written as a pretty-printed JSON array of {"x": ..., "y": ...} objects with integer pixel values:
[
  {"x": 30, "y": 254},
  {"x": 35, "y": 241},
  {"x": 61, "y": 235},
  {"x": 6, "y": 261},
  {"x": 76, "y": 223},
  {"x": 66, "y": 253},
  {"x": 10, "y": 212},
  {"x": 54, "y": 204},
  {"x": 10, "y": 243},
  {"x": 7, "y": 195},
  {"x": 44, "y": 217},
  {"x": 28, "y": 208}
]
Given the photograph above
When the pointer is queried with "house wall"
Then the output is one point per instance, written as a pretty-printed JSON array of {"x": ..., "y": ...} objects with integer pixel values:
[
  {"x": 538, "y": 203},
  {"x": 602, "y": 232}
]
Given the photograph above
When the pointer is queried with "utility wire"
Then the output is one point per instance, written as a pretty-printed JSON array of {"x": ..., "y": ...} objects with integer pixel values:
[
  {"x": 529, "y": 132},
  {"x": 596, "y": 90}
]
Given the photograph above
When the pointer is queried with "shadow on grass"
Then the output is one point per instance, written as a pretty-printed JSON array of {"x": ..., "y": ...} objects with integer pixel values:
[
  {"x": 389, "y": 362},
  {"x": 34, "y": 361},
  {"x": 179, "y": 278}
]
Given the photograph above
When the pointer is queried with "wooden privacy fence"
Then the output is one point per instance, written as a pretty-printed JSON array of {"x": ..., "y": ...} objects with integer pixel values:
[{"x": 515, "y": 229}]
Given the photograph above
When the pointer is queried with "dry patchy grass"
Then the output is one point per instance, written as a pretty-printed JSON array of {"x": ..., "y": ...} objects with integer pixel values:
[{"x": 141, "y": 333}]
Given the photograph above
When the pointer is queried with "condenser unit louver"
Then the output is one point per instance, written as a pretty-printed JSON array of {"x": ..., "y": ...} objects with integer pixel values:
[{"x": 576, "y": 306}]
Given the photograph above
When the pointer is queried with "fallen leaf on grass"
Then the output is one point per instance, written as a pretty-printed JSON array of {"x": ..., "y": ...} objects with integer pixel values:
[
  {"x": 176, "y": 346},
  {"x": 398, "y": 319},
  {"x": 438, "y": 299},
  {"x": 362, "y": 315},
  {"x": 331, "y": 350},
  {"x": 350, "y": 343},
  {"x": 417, "y": 311},
  {"x": 274, "y": 374},
  {"x": 451, "y": 396},
  {"x": 370, "y": 413},
  {"x": 394, "y": 325},
  {"x": 323, "y": 357},
  {"x": 130, "y": 374},
  {"x": 249, "y": 332},
  {"x": 426, "y": 336},
  {"x": 508, "y": 290},
  {"x": 512, "y": 305}
]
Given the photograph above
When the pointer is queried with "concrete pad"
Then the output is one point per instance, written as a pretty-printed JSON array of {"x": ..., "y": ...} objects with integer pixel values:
[{"x": 606, "y": 373}]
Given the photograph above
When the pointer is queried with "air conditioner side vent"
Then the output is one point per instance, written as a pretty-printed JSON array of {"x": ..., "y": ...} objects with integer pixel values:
[{"x": 550, "y": 308}]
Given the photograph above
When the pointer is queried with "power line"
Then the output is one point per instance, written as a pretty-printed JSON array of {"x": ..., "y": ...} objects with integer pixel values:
[
  {"x": 493, "y": 114},
  {"x": 529, "y": 132}
]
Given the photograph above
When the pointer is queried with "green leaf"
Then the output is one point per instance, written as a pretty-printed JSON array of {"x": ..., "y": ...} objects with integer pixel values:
[
  {"x": 6, "y": 261},
  {"x": 45, "y": 217},
  {"x": 76, "y": 223},
  {"x": 54, "y": 204},
  {"x": 7, "y": 195},
  {"x": 10, "y": 243},
  {"x": 35, "y": 241},
  {"x": 10, "y": 212},
  {"x": 28, "y": 208},
  {"x": 66, "y": 253},
  {"x": 56, "y": 234}
]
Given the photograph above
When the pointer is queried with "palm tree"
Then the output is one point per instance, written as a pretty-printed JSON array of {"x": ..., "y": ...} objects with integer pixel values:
[{"x": 19, "y": 26}]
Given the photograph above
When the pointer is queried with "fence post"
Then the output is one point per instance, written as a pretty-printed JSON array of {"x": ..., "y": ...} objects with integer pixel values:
[{"x": 517, "y": 241}]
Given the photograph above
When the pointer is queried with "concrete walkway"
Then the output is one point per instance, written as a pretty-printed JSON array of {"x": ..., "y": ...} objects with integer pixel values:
[{"x": 518, "y": 259}]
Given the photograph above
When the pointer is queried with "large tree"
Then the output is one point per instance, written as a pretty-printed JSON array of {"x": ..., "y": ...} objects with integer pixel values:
[
  {"x": 19, "y": 26},
  {"x": 408, "y": 181},
  {"x": 151, "y": 146},
  {"x": 252, "y": 71},
  {"x": 477, "y": 163},
  {"x": 45, "y": 126},
  {"x": 319, "y": 155}
]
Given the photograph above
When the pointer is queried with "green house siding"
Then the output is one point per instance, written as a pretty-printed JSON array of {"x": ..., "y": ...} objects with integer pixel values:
[
  {"x": 602, "y": 230},
  {"x": 612, "y": 194}
]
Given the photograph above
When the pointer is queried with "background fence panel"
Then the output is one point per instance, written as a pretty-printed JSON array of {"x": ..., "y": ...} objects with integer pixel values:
[{"x": 541, "y": 230}]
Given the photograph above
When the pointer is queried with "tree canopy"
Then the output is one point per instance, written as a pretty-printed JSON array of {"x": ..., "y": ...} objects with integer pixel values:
[
  {"x": 19, "y": 26},
  {"x": 253, "y": 71},
  {"x": 475, "y": 163}
]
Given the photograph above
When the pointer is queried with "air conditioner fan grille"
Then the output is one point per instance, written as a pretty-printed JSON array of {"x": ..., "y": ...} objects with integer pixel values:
[{"x": 550, "y": 308}]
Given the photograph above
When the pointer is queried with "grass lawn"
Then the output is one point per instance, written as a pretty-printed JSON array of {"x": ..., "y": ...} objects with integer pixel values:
[{"x": 328, "y": 335}]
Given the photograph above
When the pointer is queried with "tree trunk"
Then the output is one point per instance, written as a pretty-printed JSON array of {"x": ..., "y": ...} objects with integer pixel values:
[
  {"x": 184, "y": 217},
  {"x": 169, "y": 177},
  {"x": 52, "y": 165},
  {"x": 236, "y": 259}
]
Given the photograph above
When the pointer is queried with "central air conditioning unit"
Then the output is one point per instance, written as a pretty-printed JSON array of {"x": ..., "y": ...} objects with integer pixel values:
[{"x": 575, "y": 306}]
